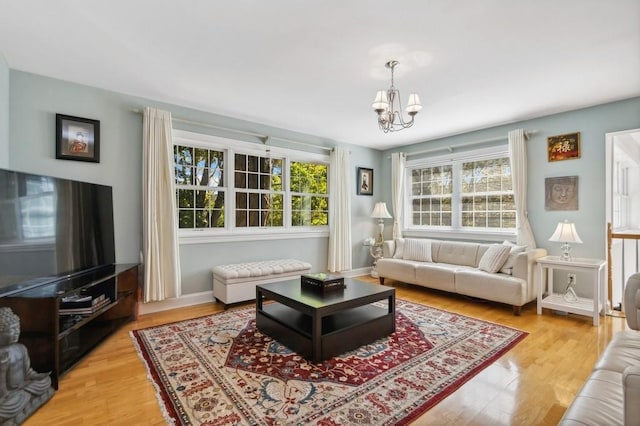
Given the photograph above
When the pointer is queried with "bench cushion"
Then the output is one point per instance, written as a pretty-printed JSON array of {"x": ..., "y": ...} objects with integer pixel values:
[{"x": 243, "y": 272}]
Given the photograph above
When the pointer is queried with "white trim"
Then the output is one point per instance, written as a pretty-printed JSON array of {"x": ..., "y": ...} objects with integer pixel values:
[
  {"x": 207, "y": 296},
  {"x": 460, "y": 235},
  {"x": 179, "y": 302},
  {"x": 203, "y": 237},
  {"x": 476, "y": 154},
  {"x": 217, "y": 142}
]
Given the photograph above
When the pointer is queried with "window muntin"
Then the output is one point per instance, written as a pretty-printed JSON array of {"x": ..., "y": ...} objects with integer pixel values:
[
  {"x": 487, "y": 195},
  {"x": 309, "y": 194},
  {"x": 431, "y": 190},
  {"x": 258, "y": 191},
  {"x": 462, "y": 194},
  {"x": 199, "y": 178}
]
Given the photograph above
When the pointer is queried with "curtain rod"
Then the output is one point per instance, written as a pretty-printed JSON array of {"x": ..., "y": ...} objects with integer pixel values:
[
  {"x": 264, "y": 138},
  {"x": 450, "y": 148}
]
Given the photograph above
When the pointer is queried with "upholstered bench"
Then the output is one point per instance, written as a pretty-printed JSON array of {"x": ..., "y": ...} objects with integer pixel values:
[{"x": 237, "y": 282}]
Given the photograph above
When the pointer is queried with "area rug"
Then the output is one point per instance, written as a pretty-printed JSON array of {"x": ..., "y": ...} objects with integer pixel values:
[{"x": 220, "y": 370}]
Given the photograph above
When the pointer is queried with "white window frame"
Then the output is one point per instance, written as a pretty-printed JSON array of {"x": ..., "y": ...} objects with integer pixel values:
[
  {"x": 455, "y": 231},
  {"x": 230, "y": 233}
]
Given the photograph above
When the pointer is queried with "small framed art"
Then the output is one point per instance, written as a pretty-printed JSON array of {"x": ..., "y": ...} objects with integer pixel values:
[
  {"x": 561, "y": 193},
  {"x": 563, "y": 147},
  {"x": 365, "y": 181},
  {"x": 77, "y": 138}
]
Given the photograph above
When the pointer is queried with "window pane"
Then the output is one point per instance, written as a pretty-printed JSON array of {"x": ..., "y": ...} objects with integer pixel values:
[
  {"x": 185, "y": 198},
  {"x": 252, "y": 181},
  {"x": 241, "y": 162},
  {"x": 240, "y": 180},
  {"x": 202, "y": 219},
  {"x": 185, "y": 219},
  {"x": 252, "y": 163}
]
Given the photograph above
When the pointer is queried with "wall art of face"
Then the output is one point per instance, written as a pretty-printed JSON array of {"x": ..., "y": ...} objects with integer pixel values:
[{"x": 561, "y": 193}]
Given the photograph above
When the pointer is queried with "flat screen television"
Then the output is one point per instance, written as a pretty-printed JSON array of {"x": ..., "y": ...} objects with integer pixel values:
[{"x": 52, "y": 228}]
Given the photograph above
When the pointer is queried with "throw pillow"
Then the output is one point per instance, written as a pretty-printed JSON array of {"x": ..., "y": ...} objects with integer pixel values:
[
  {"x": 493, "y": 259},
  {"x": 399, "y": 252},
  {"x": 507, "y": 268},
  {"x": 417, "y": 249}
]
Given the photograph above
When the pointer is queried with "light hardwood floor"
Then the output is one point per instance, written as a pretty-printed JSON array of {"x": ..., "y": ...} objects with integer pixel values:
[{"x": 530, "y": 385}]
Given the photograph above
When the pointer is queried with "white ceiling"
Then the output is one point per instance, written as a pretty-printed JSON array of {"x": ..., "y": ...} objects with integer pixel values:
[{"x": 314, "y": 66}]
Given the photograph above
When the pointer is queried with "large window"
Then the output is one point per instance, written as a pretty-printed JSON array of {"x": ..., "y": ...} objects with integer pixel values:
[
  {"x": 468, "y": 193},
  {"x": 229, "y": 185}
]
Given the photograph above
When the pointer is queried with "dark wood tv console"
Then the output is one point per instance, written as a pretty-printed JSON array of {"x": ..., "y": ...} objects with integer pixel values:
[{"x": 56, "y": 341}]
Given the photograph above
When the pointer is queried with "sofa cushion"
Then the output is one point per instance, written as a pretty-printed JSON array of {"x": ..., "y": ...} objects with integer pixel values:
[
  {"x": 456, "y": 253},
  {"x": 417, "y": 249},
  {"x": 497, "y": 287},
  {"x": 437, "y": 275},
  {"x": 507, "y": 268},
  {"x": 623, "y": 351},
  {"x": 599, "y": 402},
  {"x": 493, "y": 259},
  {"x": 398, "y": 269}
]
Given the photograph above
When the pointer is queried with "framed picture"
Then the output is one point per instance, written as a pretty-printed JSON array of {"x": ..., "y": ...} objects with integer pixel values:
[
  {"x": 77, "y": 138},
  {"x": 365, "y": 181},
  {"x": 563, "y": 147},
  {"x": 561, "y": 193}
]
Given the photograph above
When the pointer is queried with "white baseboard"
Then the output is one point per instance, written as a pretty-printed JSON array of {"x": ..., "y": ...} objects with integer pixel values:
[
  {"x": 180, "y": 302},
  {"x": 207, "y": 296}
]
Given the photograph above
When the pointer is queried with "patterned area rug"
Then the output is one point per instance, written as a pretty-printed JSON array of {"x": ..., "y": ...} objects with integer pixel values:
[{"x": 220, "y": 370}]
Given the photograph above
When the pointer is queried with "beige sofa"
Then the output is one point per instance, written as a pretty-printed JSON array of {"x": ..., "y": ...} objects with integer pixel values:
[
  {"x": 611, "y": 395},
  {"x": 459, "y": 267}
]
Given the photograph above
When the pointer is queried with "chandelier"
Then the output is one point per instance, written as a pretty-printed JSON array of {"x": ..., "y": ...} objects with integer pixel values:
[{"x": 389, "y": 112}]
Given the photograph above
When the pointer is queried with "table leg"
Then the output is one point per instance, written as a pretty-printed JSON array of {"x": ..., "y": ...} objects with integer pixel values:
[
  {"x": 540, "y": 287},
  {"x": 316, "y": 337},
  {"x": 596, "y": 297}
]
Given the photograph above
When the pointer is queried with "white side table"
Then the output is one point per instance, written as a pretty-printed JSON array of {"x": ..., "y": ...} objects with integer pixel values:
[{"x": 583, "y": 305}]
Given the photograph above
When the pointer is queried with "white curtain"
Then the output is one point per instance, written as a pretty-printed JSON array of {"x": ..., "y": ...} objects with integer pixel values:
[
  {"x": 160, "y": 240},
  {"x": 339, "y": 211},
  {"x": 518, "y": 155},
  {"x": 397, "y": 191}
]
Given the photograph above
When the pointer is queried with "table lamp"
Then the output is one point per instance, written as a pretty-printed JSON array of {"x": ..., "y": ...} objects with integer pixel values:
[
  {"x": 566, "y": 233},
  {"x": 380, "y": 212}
]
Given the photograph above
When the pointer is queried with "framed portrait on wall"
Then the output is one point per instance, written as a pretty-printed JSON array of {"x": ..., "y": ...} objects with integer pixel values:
[
  {"x": 77, "y": 138},
  {"x": 365, "y": 181}
]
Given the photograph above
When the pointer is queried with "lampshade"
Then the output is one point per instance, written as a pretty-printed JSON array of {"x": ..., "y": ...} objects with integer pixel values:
[
  {"x": 381, "y": 102},
  {"x": 414, "y": 105},
  {"x": 566, "y": 233},
  {"x": 380, "y": 211}
]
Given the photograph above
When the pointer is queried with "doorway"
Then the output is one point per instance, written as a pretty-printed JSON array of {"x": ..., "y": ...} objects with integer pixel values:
[{"x": 622, "y": 173}]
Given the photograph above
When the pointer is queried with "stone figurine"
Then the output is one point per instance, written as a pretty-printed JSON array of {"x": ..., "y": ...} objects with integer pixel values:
[{"x": 22, "y": 390}]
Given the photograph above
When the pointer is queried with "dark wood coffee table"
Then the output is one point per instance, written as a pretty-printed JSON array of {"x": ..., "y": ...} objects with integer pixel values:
[{"x": 319, "y": 326}]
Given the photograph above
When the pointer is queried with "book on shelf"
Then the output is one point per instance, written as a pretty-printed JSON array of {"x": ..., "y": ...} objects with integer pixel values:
[{"x": 84, "y": 307}]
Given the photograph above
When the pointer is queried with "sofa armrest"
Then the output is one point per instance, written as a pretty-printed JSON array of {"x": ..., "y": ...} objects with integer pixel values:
[
  {"x": 525, "y": 268},
  {"x": 388, "y": 248},
  {"x": 632, "y": 301},
  {"x": 631, "y": 389}
]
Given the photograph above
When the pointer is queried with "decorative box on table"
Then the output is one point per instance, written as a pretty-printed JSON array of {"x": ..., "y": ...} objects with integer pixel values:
[{"x": 322, "y": 282}]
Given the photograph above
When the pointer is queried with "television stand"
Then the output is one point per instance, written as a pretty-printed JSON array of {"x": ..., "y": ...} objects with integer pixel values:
[{"x": 58, "y": 337}]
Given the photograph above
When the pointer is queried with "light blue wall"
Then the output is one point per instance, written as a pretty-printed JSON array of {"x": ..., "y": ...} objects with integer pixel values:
[
  {"x": 4, "y": 112},
  {"x": 34, "y": 101},
  {"x": 592, "y": 123}
]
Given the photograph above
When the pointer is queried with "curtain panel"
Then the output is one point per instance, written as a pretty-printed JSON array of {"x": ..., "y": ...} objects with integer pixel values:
[
  {"x": 160, "y": 241},
  {"x": 398, "y": 161},
  {"x": 518, "y": 156},
  {"x": 339, "y": 256}
]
